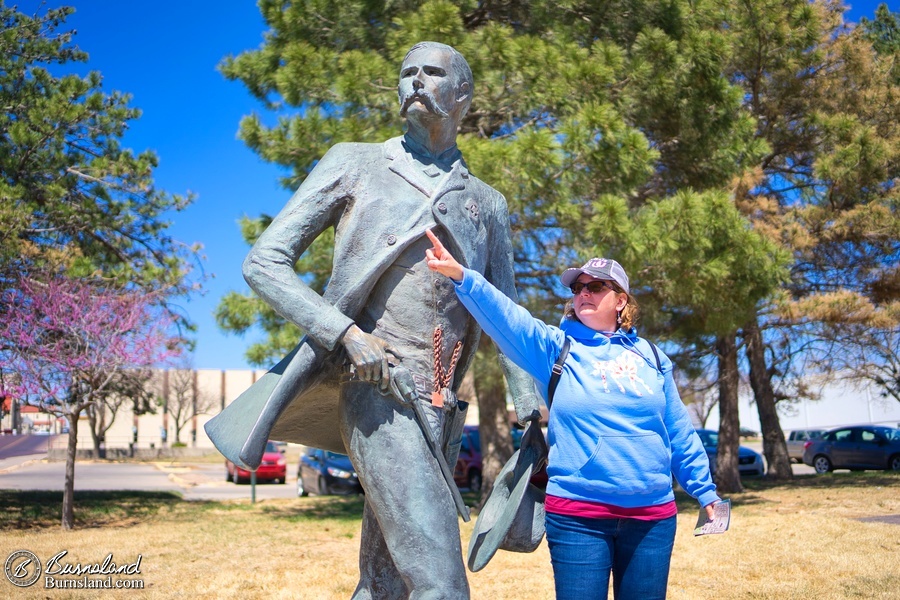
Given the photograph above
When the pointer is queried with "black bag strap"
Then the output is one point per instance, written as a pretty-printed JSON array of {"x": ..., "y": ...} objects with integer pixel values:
[
  {"x": 556, "y": 371},
  {"x": 656, "y": 354}
]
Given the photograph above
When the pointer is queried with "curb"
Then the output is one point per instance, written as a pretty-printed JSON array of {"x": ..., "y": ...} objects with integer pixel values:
[{"x": 24, "y": 463}]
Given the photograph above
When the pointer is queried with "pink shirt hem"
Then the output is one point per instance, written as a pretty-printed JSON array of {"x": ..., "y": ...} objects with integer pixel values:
[{"x": 598, "y": 510}]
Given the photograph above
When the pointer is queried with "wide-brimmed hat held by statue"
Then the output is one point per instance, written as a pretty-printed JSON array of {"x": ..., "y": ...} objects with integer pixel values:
[{"x": 513, "y": 515}]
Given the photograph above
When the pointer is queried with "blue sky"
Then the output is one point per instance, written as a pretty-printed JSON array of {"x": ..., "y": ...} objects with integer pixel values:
[{"x": 164, "y": 54}]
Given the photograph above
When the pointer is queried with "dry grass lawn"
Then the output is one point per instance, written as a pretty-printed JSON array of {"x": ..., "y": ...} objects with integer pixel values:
[{"x": 829, "y": 537}]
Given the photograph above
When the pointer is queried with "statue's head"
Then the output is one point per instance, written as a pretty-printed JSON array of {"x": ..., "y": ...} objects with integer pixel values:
[{"x": 435, "y": 82}]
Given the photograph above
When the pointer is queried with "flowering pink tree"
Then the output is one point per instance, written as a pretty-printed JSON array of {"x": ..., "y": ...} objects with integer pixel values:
[{"x": 63, "y": 342}]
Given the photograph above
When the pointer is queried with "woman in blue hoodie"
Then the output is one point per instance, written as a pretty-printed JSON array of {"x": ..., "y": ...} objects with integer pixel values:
[{"x": 618, "y": 429}]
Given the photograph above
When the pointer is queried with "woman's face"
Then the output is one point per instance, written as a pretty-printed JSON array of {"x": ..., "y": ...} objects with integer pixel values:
[{"x": 598, "y": 309}]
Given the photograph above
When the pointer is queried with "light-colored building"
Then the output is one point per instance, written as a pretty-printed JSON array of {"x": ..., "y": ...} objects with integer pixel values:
[
  {"x": 26, "y": 419},
  {"x": 841, "y": 403},
  {"x": 211, "y": 389}
]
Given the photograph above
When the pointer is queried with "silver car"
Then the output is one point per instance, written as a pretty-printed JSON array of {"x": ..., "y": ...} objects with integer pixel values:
[
  {"x": 855, "y": 448},
  {"x": 797, "y": 441}
]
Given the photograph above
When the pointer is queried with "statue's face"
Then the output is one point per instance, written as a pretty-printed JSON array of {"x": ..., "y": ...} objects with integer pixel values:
[{"x": 428, "y": 87}]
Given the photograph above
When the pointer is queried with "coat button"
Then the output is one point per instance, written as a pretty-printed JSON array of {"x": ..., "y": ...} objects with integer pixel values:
[
  {"x": 442, "y": 208},
  {"x": 391, "y": 239}
]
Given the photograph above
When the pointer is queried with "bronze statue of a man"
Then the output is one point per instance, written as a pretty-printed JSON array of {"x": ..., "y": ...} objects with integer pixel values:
[{"x": 383, "y": 311}]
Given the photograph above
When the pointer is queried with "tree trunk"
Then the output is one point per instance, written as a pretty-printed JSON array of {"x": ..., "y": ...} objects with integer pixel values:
[
  {"x": 96, "y": 419},
  {"x": 68, "y": 504},
  {"x": 728, "y": 477},
  {"x": 493, "y": 420},
  {"x": 774, "y": 446}
]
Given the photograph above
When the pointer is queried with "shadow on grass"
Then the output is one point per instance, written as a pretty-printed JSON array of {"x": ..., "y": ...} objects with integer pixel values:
[
  {"x": 38, "y": 509},
  {"x": 342, "y": 508},
  {"x": 842, "y": 479},
  {"x": 43, "y": 509},
  {"x": 756, "y": 487}
]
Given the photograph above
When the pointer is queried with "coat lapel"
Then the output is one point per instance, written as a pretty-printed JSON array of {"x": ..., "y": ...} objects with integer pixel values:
[
  {"x": 453, "y": 181},
  {"x": 402, "y": 164}
]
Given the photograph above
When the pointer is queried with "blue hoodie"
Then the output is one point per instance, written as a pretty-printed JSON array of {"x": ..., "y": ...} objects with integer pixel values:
[{"x": 618, "y": 428}]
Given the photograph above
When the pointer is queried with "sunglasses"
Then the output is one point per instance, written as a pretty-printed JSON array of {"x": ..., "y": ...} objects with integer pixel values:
[{"x": 594, "y": 287}]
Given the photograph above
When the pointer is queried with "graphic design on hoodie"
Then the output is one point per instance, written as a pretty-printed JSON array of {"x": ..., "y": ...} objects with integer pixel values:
[{"x": 624, "y": 366}]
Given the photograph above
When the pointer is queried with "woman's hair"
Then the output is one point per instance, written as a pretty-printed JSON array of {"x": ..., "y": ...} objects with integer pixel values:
[{"x": 629, "y": 313}]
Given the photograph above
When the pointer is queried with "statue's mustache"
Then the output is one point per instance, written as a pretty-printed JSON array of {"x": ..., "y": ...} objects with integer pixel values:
[{"x": 425, "y": 98}]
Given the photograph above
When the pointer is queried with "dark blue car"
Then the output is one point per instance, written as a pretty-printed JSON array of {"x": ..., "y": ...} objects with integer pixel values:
[
  {"x": 855, "y": 448},
  {"x": 323, "y": 473}
]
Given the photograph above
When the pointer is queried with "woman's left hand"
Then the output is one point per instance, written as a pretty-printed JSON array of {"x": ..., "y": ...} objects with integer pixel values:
[
  {"x": 439, "y": 259},
  {"x": 711, "y": 510}
]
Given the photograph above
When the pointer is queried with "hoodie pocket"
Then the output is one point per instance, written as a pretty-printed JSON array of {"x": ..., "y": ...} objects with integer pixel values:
[{"x": 627, "y": 465}]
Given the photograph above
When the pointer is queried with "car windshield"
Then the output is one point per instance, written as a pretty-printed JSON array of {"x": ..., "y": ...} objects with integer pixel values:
[
  {"x": 709, "y": 438},
  {"x": 271, "y": 447},
  {"x": 334, "y": 455},
  {"x": 471, "y": 442},
  {"x": 889, "y": 433}
]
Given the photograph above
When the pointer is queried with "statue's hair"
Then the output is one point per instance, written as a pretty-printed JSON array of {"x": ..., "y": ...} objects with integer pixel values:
[{"x": 458, "y": 64}]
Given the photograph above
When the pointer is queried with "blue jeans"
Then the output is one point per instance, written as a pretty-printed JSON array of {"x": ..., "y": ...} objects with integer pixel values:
[{"x": 584, "y": 551}]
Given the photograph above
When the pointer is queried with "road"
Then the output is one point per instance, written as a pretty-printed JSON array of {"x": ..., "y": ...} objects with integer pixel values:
[
  {"x": 798, "y": 469},
  {"x": 23, "y": 466},
  {"x": 12, "y": 446}
]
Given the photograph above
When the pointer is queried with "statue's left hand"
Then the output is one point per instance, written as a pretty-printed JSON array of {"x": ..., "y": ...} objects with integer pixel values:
[{"x": 369, "y": 355}]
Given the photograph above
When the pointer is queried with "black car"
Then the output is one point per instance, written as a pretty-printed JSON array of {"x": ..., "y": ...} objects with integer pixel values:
[
  {"x": 749, "y": 462},
  {"x": 322, "y": 473},
  {"x": 855, "y": 448}
]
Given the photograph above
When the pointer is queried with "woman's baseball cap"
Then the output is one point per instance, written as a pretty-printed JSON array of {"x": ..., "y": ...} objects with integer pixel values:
[{"x": 598, "y": 268}]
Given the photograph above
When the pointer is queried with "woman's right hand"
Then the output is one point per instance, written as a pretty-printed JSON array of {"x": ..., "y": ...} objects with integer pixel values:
[{"x": 439, "y": 259}]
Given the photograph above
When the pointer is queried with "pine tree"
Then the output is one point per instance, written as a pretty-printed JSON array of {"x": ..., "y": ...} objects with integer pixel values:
[
  {"x": 578, "y": 117},
  {"x": 827, "y": 105},
  {"x": 605, "y": 125},
  {"x": 69, "y": 193}
]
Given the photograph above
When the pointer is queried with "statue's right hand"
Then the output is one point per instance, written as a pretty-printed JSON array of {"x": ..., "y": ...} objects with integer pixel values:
[{"x": 369, "y": 355}]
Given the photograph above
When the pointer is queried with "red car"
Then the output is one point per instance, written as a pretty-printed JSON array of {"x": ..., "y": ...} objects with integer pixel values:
[{"x": 272, "y": 468}]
